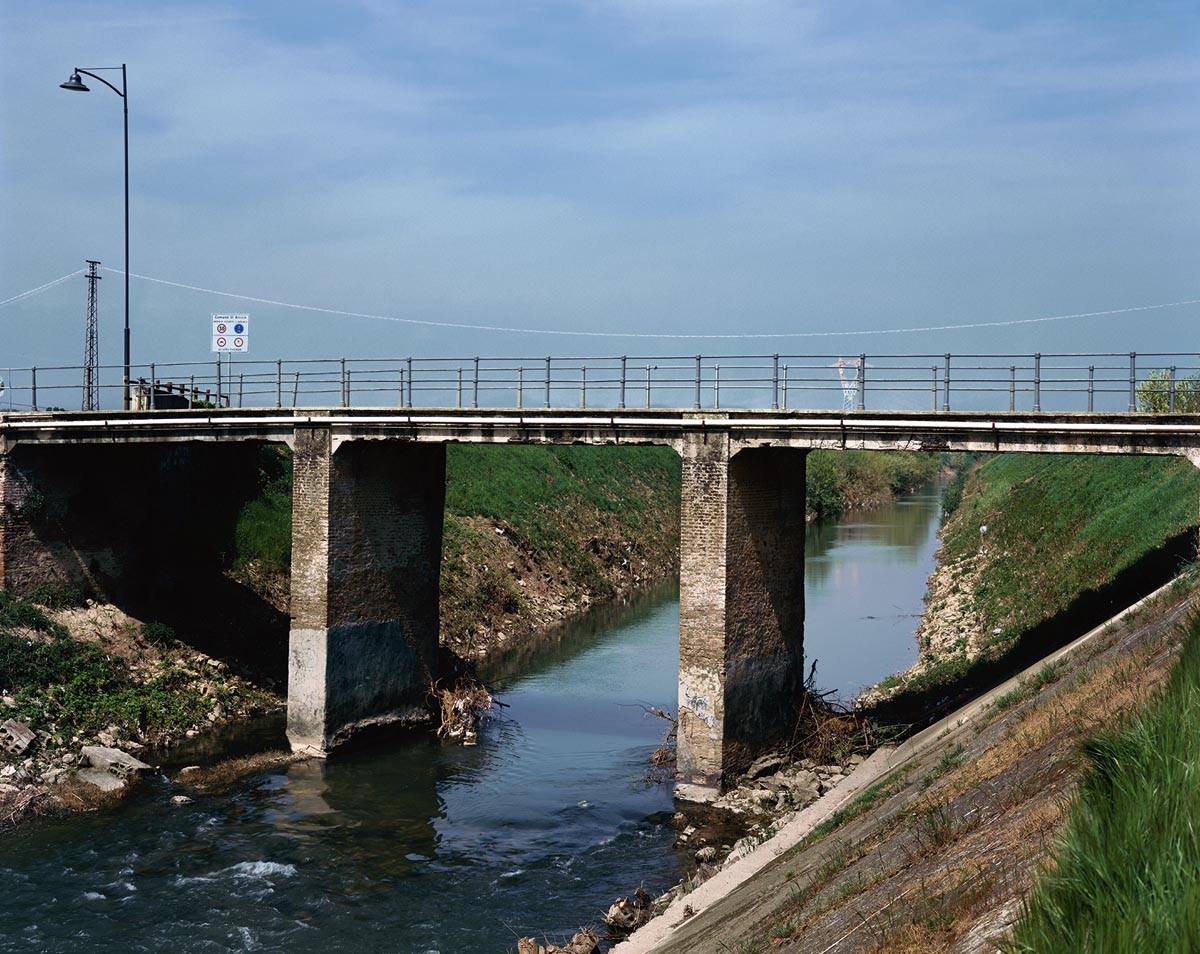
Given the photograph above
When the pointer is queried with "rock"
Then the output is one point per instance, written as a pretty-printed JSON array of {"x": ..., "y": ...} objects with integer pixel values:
[
  {"x": 15, "y": 737},
  {"x": 585, "y": 942},
  {"x": 187, "y": 770},
  {"x": 56, "y": 776},
  {"x": 9, "y": 701},
  {"x": 8, "y": 771},
  {"x": 120, "y": 765},
  {"x": 766, "y": 765},
  {"x": 180, "y": 800},
  {"x": 6, "y": 789},
  {"x": 705, "y": 854},
  {"x": 100, "y": 778}
]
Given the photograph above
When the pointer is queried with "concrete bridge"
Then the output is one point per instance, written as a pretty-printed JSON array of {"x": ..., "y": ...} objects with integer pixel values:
[{"x": 79, "y": 491}]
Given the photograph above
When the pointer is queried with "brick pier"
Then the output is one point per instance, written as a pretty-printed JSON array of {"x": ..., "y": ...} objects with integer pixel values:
[
  {"x": 366, "y": 556},
  {"x": 741, "y": 595}
]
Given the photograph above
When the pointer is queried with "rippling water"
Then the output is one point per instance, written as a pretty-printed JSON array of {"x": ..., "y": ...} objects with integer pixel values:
[
  {"x": 416, "y": 847},
  {"x": 419, "y": 847},
  {"x": 864, "y": 589}
]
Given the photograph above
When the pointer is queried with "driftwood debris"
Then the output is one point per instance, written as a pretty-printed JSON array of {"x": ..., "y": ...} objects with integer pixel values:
[
  {"x": 585, "y": 942},
  {"x": 461, "y": 707},
  {"x": 628, "y": 914}
]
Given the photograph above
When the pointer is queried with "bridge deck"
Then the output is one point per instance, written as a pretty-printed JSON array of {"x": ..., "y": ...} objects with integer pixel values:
[{"x": 1103, "y": 433}]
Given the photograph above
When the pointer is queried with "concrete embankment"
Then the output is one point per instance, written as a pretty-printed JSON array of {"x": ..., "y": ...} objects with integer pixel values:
[{"x": 930, "y": 845}]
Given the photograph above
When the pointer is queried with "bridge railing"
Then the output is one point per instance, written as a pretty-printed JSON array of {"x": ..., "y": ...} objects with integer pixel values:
[{"x": 1110, "y": 382}]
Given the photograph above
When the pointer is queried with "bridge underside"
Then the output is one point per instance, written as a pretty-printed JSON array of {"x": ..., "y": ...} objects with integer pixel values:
[{"x": 85, "y": 499}]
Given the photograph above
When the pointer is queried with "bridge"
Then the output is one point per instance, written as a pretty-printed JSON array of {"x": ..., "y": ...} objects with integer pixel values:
[{"x": 367, "y": 521}]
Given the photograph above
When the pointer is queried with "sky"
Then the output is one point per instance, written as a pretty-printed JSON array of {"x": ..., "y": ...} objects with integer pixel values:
[{"x": 815, "y": 170}]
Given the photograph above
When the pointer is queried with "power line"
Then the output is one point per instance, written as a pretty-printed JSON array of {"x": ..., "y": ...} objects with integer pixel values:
[
  {"x": 559, "y": 332},
  {"x": 41, "y": 288},
  {"x": 634, "y": 334}
]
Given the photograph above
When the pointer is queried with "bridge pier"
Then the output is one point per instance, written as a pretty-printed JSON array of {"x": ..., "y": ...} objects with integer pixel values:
[
  {"x": 741, "y": 596},
  {"x": 366, "y": 555}
]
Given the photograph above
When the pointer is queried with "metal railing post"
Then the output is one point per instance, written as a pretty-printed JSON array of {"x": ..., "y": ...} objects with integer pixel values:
[
  {"x": 192, "y": 389},
  {"x": 547, "y": 380},
  {"x": 785, "y": 384},
  {"x": 345, "y": 392},
  {"x": 475, "y": 384},
  {"x": 934, "y": 388},
  {"x": 698, "y": 359},
  {"x": 648, "y": 386},
  {"x": 279, "y": 382},
  {"x": 583, "y": 386},
  {"x": 153, "y": 388},
  {"x": 408, "y": 378},
  {"x": 520, "y": 386},
  {"x": 296, "y": 389},
  {"x": 1037, "y": 382},
  {"x": 621, "y": 402},
  {"x": 33, "y": 388},
  {"x": 1132, "y": 381},
  {"x": 1012, "y": 388},
  {"x": 717, "y": 387},
  {"x": 775, "y": 383},
  {"x": 458, "y": 402},
  {"x": 946, "y": 385},
  {"x": 400, "y": 394},
  {"x": 1171, "y": 391},
  {"x": 218, "y": 382},
  {"x": 1091, "y": 387},
  {"x": 862, "y": 382},
  {"x": 241, "y": 387}
]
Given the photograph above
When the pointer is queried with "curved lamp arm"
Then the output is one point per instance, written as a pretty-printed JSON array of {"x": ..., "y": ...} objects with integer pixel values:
[{"x": 75, "y": 83}]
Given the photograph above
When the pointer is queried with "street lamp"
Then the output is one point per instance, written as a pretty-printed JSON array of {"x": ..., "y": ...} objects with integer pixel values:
[{"x": 75, "y": 83}]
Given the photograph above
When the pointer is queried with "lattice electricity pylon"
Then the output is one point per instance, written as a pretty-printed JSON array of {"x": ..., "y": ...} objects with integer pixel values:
[
  {"x": 849, "y": 385},
  {"x": 91, "y": 363}
]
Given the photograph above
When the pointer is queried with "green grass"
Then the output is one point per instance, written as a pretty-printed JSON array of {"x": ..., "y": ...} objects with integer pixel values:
[
  {"x": 263, "y": 532},
  {"x": 1126, "y": 876},
  {"x": 1057, "y": 526},
  {"x": 538, "y": 490},
  {"x": 68, "y": 688}
]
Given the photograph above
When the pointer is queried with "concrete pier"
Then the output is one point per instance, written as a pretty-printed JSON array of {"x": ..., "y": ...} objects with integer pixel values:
[
  {"x": 366, "y": 554},
  {"x": 741, "y": 606}
]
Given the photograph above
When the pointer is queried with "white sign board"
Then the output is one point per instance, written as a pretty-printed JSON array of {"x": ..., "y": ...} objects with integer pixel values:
[{"x": 231, "y": 333}]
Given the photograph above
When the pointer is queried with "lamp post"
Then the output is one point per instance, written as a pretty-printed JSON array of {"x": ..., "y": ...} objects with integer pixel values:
[{"x": 75, "y": 83}]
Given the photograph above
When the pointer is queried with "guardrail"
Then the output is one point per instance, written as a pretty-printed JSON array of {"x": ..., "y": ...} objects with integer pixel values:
[{"x": 1108, "y": 381}]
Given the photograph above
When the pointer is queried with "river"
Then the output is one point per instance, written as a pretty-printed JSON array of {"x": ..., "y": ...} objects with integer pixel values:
[{"x": 418, "y": 847}]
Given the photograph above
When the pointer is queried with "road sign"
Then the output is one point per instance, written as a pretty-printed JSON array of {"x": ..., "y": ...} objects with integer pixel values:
[{"x": 231, "y": 333}]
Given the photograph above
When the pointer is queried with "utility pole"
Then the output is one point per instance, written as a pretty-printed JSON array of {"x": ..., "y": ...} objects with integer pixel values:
[{"x": 91, "y": 370}]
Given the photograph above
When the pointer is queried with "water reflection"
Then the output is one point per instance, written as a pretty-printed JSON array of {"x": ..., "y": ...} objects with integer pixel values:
[{"x": 864, "y": 584}]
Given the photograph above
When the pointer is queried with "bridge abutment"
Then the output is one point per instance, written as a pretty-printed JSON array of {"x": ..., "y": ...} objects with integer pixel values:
[
  {"x": 366, "y": 555},
  {"x": 741, "y": 606},
  {"x": 130, "y": 522}
]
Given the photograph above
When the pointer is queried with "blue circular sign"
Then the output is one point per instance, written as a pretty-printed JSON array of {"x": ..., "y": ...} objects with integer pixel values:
[{"x": 239, "y": 328}]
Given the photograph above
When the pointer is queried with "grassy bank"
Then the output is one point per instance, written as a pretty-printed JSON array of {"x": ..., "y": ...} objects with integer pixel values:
[
  {"x": 533, "y": 534},
  {"x": 1041, "y": 546},
  {"x": 88, "y": 674},
  {"x": 1126, "y": 873}
]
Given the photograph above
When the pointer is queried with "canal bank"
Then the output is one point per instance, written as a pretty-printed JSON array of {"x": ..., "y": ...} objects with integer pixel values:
[{"x": 930, "y": 846}]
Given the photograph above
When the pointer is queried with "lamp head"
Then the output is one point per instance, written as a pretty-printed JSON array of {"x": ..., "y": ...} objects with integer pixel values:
[{"x": 74, "y": 82}]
